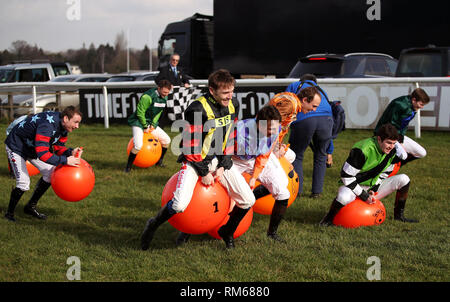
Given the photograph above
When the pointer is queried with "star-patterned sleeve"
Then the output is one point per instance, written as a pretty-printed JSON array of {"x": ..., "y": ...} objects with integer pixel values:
[
  {"x": 43, "y": 140},
  {"x": 60, "y": 148}
]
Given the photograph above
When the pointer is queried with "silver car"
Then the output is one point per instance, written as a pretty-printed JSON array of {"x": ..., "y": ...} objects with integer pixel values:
[
  {"x": 137, "y": 76},
  {"x": 48, "y": 102}
]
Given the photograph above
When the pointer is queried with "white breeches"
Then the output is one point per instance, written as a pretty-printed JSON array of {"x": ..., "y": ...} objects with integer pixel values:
[
  {"x": 232, "y": 180},
  {"x": 19, "y": 168},
  {"x": 290, "y": 155},
  {"x": 413, "y": 148},
  {"x": 138, "y": 137},
  {"x": 389, "y": 185},
  {"x": 272, "y": 176}
]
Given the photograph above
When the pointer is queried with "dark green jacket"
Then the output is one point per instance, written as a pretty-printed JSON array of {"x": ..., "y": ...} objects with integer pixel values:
[
  {"x": 399, "y": 113},
  {"x": 149, "y": 110}
]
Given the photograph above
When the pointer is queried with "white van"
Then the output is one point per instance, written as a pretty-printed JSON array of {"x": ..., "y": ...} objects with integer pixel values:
[{"x": 32, "y": 72}]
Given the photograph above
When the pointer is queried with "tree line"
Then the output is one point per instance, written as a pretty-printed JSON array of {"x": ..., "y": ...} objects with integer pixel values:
[{"x": 104, "y": 58}]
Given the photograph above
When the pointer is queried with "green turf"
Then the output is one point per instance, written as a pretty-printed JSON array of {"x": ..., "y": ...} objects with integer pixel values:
[{"x": 103, "y": 230}]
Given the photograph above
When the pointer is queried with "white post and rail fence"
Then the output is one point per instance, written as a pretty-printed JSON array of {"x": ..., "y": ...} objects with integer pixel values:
[{"x": 364, "y": 100}]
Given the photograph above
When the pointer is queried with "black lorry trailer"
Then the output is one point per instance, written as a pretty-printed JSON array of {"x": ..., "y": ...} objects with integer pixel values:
[{"x": 254, "y": 37}]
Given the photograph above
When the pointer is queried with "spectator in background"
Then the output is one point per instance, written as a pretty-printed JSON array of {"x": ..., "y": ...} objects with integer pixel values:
[
  {"x": 315, "y": 129},
  {"x": 172, "y": 73}
]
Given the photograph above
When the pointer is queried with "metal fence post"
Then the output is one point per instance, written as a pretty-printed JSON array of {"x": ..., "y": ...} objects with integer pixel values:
[
  {"x": 11, "y": 106},
  {"x": 105, "y": 101},
  {"x": 58, "y": 100},
  {"x": 417, "y": 125},
  {"x": 34, "y": 99}
]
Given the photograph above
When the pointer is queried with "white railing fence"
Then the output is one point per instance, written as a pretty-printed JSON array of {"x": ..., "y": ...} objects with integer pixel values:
[{"x": 367, "y": 95}]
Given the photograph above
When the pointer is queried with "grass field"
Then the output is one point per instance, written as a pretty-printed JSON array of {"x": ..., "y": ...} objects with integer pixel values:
[{"x": 103, "y": 230}]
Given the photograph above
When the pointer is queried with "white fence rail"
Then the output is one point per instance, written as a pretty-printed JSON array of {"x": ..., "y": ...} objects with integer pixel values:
[{"x": 364, "y": 99}]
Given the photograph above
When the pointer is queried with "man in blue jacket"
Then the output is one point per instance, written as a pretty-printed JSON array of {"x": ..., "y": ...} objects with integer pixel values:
[{"x": 314, "y": 127}]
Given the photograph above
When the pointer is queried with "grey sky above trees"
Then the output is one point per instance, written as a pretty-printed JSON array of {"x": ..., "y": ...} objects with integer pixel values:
[{"x": 59, "y": 25}]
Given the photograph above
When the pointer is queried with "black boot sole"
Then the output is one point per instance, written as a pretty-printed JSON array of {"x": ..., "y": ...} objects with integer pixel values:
[
  {"x": 182, "y": 239},
  {"x": 147, "y": 235},
  {"x": 406, "y": 220},
  {"x": 34, "y": 213},
  {"x": 10, "y": 217},
  {"x": 275, "y": 237},
  {"x": 228, "y": 239},
  {"x": 326, "y": 223}
]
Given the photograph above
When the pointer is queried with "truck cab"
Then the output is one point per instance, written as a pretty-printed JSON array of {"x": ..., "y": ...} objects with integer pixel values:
[{"x": 192, "y": 38}]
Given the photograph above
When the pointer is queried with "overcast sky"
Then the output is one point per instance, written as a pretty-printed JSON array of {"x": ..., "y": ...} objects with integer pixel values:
[{"x": 56, "y": 25}]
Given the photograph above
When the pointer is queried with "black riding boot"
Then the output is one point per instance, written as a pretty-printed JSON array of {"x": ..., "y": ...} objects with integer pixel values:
[
  {"x": 164, "y": 214},
  {"x": 16, "y": 194},
  {"x": 260, "y": 191},
  {"x": 30, "y": 208},
  {"x": 278, "y": 211},
  {"x": 182, "y": 238},
  {"x": 160, "y": 161},
  {"x": 335, "y": 207},
  {"x": 131, "y": 159},
  {"x": 227, "y": 231},
  {"x": 399, "y": 207},
  {"x": 410, "y": 158}
]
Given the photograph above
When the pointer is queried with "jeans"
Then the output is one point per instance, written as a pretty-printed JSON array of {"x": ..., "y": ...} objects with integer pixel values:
[{"x": 316, "y": 129}]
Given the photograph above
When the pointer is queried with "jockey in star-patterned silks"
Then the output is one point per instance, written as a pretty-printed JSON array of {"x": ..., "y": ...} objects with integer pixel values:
[{"x": 40, "y": 139}]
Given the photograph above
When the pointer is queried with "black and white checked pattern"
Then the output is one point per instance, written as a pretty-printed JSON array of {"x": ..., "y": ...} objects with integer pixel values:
[{"x": 179, "y": 99}]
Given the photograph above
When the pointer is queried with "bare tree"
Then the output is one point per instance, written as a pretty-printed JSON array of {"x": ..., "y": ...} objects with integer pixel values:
[
  {"x": 121, "y": 42},
  {"x": 20, "y": 48}
]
